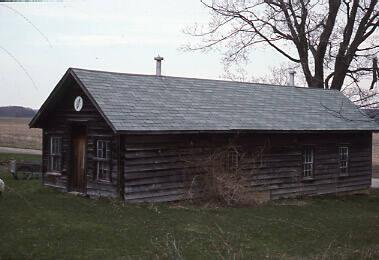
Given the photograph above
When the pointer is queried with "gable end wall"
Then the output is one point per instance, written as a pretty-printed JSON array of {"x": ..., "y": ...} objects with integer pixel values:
[{"x": 58, "y": 123}]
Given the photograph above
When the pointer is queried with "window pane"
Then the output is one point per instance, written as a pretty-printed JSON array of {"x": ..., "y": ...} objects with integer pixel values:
[
  {"x": 98, "y": 148},
  {"x": 108, "y": 150},
  {"x": 103, "y": 171},
  {"x": 56, "y": 163},
  {"x": 103, "y": 152},
  {"x": 55, "y": 153},
  {"x": 344, "y": 158},
  {"x": 308, "y": 161},
  {"x": 103, "y": 149},
  {"x": 51, "y": 165},
  {"x": 231, "y": 161},
  {"x": 55, "y": 145}
]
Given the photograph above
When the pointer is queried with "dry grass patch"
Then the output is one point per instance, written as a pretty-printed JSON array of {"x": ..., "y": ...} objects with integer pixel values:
[{"x": 15, "y": 132}]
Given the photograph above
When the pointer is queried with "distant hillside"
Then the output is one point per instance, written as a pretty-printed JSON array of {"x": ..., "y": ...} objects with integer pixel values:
[{"x": 17, "y": 111}]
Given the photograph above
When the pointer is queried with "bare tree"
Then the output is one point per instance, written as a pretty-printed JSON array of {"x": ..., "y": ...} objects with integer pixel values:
[
  {"x": 330, "y": 40},
  {"x": 277, "y": 75}
]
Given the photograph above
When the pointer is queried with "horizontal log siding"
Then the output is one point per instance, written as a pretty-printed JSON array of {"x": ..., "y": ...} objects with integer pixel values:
[
  {"x": 59, "y": 124},
  {"x": 158, "y": 167}
]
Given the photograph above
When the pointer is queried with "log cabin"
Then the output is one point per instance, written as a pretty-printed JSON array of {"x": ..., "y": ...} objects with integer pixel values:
[{"x": 129, "y": 136}]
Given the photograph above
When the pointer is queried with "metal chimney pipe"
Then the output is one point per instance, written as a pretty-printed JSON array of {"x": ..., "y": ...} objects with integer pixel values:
[
  {"x": 291, "y": 81},
  {"x": 158, "y": 70}
]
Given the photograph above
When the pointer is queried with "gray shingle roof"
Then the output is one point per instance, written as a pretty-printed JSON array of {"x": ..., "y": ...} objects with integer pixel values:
[
  {"x": 133, "y": 102},
  {"x": 373, "y": 113}
]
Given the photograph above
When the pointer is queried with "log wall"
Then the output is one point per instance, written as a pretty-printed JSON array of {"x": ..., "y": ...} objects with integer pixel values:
[
  {"x": 58, "y": 123},
  {"x": 165, "y": 167},
  {"x": 159, "y": 167}
]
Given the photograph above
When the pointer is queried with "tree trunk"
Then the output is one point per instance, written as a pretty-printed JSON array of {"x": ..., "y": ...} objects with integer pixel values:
[
  {"x": 340, "y": 69},
  {"x": 317, "y": 82}
]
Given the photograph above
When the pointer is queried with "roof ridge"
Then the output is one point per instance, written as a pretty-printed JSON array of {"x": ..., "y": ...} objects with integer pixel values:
[
  {"x": 194, "y": 78},
  {"x": 141, "y": 107}
]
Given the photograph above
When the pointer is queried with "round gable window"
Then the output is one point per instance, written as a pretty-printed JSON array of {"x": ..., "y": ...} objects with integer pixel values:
[{"x": 78, "y": 103}]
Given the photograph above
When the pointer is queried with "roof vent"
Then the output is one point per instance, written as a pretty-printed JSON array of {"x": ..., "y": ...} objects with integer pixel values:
[
  {"x": 158, "y": 65},
  {"x": 291, "y": 81}
]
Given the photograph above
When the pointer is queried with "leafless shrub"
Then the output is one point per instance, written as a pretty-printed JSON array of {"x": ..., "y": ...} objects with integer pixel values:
[
  {"x": 277, "y": 75},
  {"x": 221, "y": 176}
]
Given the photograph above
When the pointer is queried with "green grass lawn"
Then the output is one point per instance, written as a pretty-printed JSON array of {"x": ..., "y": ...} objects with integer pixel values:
[
  {"x": 39, "y": 223},
  {"x": 5, "y": 157}
]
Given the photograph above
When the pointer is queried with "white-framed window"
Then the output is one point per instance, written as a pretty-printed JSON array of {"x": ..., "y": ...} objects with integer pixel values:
[
  {"x": 55, "y": 154},
  {"x": 344, "y": 160},
  {"x": 103, "y": 160},
  {"x": 231, "y": 161},
  {"x": 308, "y": 162}
]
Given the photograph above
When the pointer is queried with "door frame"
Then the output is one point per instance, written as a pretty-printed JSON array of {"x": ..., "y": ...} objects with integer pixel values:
[{"x": 83, "y": 126}]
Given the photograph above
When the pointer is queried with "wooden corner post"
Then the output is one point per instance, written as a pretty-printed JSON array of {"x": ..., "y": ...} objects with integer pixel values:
[{"x": 120, "y": 165}]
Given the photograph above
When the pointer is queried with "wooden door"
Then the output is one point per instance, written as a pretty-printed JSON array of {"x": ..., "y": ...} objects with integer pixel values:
[{"x": 79, "y": 140}]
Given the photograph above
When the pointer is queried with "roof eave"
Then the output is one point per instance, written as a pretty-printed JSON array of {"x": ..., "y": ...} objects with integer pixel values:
[
  {"x": 93, "y": 100},
  {"x": 34, "y": 122},
  {"x": 242, "y": 131}
]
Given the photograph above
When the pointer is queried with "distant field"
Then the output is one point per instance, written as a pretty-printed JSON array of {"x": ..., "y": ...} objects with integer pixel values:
[{"x": 15, "y": 132}]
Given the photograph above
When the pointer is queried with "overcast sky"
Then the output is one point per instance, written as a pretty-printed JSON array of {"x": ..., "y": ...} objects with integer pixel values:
[{"x": 123, "y": 36}]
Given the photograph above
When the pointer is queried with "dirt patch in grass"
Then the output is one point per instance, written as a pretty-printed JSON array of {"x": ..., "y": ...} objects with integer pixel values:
[{"x": 15, "y": 132}]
